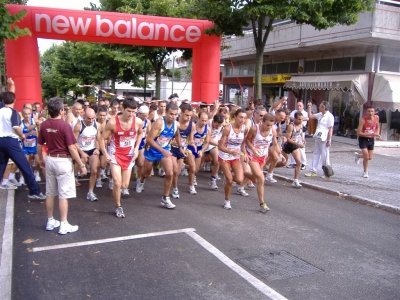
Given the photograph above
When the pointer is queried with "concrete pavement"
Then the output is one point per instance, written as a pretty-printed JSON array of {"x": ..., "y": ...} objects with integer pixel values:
[{"x": 380, "y": 190}]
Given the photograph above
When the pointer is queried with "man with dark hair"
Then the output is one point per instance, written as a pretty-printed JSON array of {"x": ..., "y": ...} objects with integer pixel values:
[
  {"x": 158, "y": 149},
  {"x": 10, "y": 132},
  {"x": 367, "y": 131},
  {"x": 126, "y": 134}
]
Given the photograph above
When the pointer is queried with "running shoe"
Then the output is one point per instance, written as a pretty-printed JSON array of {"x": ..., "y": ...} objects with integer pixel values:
[
  {"x": 21, "y": 181},
  {"x": 311, "y": 174},
  {"x": 264, "y": 208},
  {"x": 195, "y": 181},
  {"x": 91, "y": 196},
  {"x": 124, "y": 192},
  {"x": 139, "y": 187},
  {"x": 14, "y": 182},
  {"x": 356, "y": 158},
  {"x": 166, "y": 202},
  {"x": 8, "y": 186},
  {"x": 242, "y": 192},
  {"x": 184, "y": 172},
  {"x": 99, "y": 184},
  {"x": 110, "y": 184},
  {"x": 208, "y": 167},
  {"x": 65, "y": 228},
  {"x": 77, "y": 183},
  {"x": 250, "y": 185},
  {"x": 192, "y": 190},
  {"x": 37, "y": 176},
  {"x": 161, "y": 172},
  {"x": 52, "y": 223},
  {"x": 296, "y": 184},
  {"x": 88, "y": 168},
  {"x": 227, "y": 204},
  {"x": 234, "y": 183},
  {"x": 291, "y": 166},
  {"x": 103, "y": 176},
  {"x": 270, "y": 178},
  {"x": 303, "y": 167},
  {"x": 119, "y": 212},
  {"x": 213, "y": 184},
  {"x": 37, "y": 197},
  {"x": 175, "y": 193},
  {"x": 365, "y": 175},
  {"x": 217, "y": 177}
]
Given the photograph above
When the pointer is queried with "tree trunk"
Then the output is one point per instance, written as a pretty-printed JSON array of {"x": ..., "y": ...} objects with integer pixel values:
[
  {"x": 258, "y": 72},
  {"x": 158, "y": 82},
  {"x": 113, "y": 85}
]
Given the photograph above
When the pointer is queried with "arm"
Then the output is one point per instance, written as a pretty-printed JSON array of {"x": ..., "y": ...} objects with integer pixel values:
[
  {"x": 75, "y": 156},
  {"x": 11, "y": 85},
  {"x": 215, "y": 109},
  {"x": 108, "y": 129},
  {"x": 153, "y": 134},
  {"x": 309, "y": 112},
  {"x": 249, "y": 138},
  {"x": 177, "y": 137},
  {"x": 221, "y": 143},
  {"x": 139, "y": 130}
]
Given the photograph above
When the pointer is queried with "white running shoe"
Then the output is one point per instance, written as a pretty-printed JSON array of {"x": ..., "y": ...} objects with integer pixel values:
[
  {"x": 192, "y": 190},
  {"x": 166, "y": 202},
  {"x": 124, "y": 192},
  {"x": 37, "y": 176},
  {"x": 110, "y": 184},
  {"x": 91, "y": 196},
  {"x": 52, "y": 223},
  {"x": 365, "y": 175},
  {"x": 241, "y": 192},
  {"x": 356, "y": 158},
  {"x": 250, "y": 184},
  {"x": 14, "y": 182},
  {"x": 21, "y": 181},
  {"x": 296, "y": 184},
  {"x": 227, "y": 204},
  {"x": 119, "y": 212},
  {"x": 99, "y": 184},
  {"x": 217, "y": 177},
  {"x": 213, "y": 184},
  {"x": 234, "y": 183},
  {"x": 103, "y": 176},
  {"x": 184, "y": 172},
  {"x": 175, "y": 193},
  {"x": 270, "y": 178},
  {"x": 139, "y": 187},
  {"x": 65, "y": 228},
  {"x": 161, "y": 172}
]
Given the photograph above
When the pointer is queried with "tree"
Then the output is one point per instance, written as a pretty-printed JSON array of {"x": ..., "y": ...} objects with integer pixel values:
[
  {"x": 231, "y": 16},
  {"x": 8, "y": 29}
]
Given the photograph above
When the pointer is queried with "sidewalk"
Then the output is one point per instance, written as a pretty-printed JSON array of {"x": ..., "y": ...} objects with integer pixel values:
[{"x": 381, "y": 189}]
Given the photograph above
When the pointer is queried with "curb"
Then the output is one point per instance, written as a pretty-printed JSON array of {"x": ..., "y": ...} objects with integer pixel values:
[{"x": 357, "y": 199}]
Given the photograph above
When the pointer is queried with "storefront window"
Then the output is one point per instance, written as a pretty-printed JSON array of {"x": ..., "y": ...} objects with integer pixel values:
[{"x": 238, "y": 96}]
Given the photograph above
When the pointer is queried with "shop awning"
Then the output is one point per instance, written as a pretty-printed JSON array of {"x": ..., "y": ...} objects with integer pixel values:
[
  {"x": 386, "y": 91},
  {"x": 357, "y": 84}
]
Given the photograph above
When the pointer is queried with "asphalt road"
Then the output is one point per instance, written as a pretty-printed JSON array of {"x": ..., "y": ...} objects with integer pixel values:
[{"x": 310, "y": 245}]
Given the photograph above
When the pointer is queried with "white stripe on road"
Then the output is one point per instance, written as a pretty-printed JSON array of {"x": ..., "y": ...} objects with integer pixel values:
[
  {"x": 258, "y": 284},
  {"x": 111, "y": 240},
  {"x": 6, "y": 249}
]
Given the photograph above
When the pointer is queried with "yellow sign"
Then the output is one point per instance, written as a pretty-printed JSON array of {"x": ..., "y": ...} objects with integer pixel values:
[
  {"x": 91, "y": 98},
  {"x": 279, "y": 78}
]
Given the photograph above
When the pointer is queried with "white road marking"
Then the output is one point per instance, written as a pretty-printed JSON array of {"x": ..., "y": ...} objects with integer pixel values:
[
  {"x": 258, "y": 284},
  {"x": 111, "y": 240},
  {"x": 6, "y": 249}
]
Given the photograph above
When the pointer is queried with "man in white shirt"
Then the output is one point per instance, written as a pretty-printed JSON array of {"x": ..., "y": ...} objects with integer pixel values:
[{"x": 323, "y": 136}]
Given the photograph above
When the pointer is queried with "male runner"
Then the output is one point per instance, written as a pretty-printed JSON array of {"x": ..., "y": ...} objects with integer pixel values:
[
  {"x": 126, "y": 135},
  {"x": 158, "y": 149}
]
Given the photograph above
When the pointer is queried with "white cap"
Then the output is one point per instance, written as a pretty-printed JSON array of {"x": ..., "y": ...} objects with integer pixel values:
[{"x": 144, "y": 109}]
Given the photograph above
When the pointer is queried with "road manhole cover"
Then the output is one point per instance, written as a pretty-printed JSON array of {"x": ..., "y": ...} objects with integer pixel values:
[{"x": 278, "y": 265}]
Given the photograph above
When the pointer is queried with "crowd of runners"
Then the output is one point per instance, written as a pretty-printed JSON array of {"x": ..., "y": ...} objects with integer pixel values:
[{"x": 113, "y": 140}]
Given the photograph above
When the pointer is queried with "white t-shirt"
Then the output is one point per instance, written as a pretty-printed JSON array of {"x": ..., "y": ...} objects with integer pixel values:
[
  {"x": 325, "y": 121},
  {"x": 303, "y": 112}
]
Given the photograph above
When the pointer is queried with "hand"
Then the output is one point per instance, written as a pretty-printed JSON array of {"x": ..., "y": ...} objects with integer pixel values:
[
  {"x": 200, "y": 153},
  {"x": 96, "y": 152},
  {"x": 328, "y": 143},
  {"x": 107, "y": 157},
  {"x": 85, "y": 158},
  {"x": 166, "y": 153},
  {"x": 300, "y": 145},
  {"x": 309, "y": 104},
  {"x": 83, "y": 171},
  {"x": 42, "y": 165},
  {"x": 10, "y": 81},
  {"x": 234, "y": 153}
]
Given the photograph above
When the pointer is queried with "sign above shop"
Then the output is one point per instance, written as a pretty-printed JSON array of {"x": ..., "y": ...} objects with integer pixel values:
[{"x": 279, "y": 78}]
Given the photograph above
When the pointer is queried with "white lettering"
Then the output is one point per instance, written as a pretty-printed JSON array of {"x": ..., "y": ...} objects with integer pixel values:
[
  {"x": 79, "y": 25},
  {"x": 46, "y": 18},
  {"x": 150, "y": 35},
  {"x": 127, "y": 30},
  {"x": 99, "y": 22},
  {"x": 172, "y": 35},
  {"x": 193, "y": 34},
  {"x": 60, "y": 22},
  {"x": 134, "y": 28},
  {"x": 158, "y": 29}
]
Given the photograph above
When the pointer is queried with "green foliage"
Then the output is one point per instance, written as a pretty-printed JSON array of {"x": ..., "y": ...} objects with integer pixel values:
[{"x": 8, "y": 28}]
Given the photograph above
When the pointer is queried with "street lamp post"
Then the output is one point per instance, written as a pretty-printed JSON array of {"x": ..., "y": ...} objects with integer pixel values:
[
  {"x": 173, "y": 73},
  {"x": 145, "y": 79}
]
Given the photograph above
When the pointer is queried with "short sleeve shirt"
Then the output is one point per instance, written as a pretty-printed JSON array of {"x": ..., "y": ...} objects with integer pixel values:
[
  {"x": 58, "y": 135},
  {"x": 9, "y": 119},
  {"x": 325, "y": 121}
]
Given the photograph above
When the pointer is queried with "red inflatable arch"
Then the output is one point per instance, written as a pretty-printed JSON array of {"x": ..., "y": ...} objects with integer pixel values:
[{"x": 22, "y": 58}]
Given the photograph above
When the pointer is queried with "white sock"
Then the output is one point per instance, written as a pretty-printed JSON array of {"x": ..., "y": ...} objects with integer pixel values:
[
  {"x": 90, "y": 191},
  {"x": 11, "y": 176},
  {"x": 102, "y": 171}
]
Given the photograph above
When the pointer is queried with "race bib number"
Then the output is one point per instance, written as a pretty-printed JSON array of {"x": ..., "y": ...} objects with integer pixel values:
[
  {"x": 125, "y": 141},
  {"x": 183, "y": 141},
  {"x": 29, "y": 143},
  {"x": 262, "y": 150},
  {"x": 198, "y": 142},
  {"x": 89, "y": 142},
  {"x": 163, "y": 141}
]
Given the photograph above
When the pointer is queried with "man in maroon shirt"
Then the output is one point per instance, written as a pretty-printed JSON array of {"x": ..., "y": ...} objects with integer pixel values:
[{"x": 60, "y": 180}]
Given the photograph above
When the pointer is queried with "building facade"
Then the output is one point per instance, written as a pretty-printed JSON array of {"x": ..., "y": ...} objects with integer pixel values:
[{"x": 349, "y": 66}]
